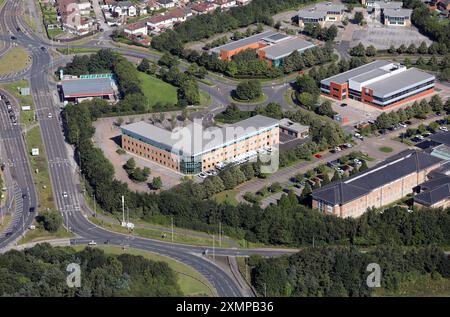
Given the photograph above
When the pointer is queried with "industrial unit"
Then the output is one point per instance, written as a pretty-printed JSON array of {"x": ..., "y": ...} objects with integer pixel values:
[
  {"x": 79, "y": 89},
  {"x": 321, "y": 13},
  {"x": 382, "y": 84},
  {"x": 271, "y": 46},
  {"x": 193, "y": 149},
  {"x": 379, "y": 186}
]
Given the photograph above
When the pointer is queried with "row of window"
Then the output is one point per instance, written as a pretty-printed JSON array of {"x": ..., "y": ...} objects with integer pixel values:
[{"x": 148, "y": 156}]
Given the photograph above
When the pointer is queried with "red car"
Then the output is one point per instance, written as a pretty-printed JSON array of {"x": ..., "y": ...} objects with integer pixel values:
[{"x": 317, "y": 155}]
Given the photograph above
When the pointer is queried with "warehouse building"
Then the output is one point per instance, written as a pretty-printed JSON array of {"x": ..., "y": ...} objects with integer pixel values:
[
  {"x": 382, "y": 84},
  {"x": 271, "y": 46},
  {"x": 379, "y": 186},
  {"x": 80, "y": 89},
  {"x": 193, "y": 149},
  {"x": 275, "y": 53},
  {"x": 227, "y": 51},
  {"x": 321, "y": 13}
]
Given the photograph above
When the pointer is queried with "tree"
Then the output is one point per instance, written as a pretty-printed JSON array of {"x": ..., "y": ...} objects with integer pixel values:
[
  {"x": 423, "y": 49},
  {"x": 358, "y": 50},
  {"x": 436, "y": 103},
  {"x": 144, "y": 66},
  {"x": 358, "y": 17},
  {"x": 306, "y": 194},
  {"x": 412, "y": 49},
  {"x": 363, "y": 166},
  {"x": 325, "y": 109},
  {"x": 371, "y": 50},
  {"x": 248, "y": 90},
  {"x": 391, "y": 49},
  {"x": 306, "y": 83},
  {"x": 130, "y": 165},
  {"x": 168, "y": 60},
  {"x": 401, "y": 49},
  {"x": 50, "y": 220},
  {"x": 156, "y": 183},
  {"x": 336, "y": 176}
]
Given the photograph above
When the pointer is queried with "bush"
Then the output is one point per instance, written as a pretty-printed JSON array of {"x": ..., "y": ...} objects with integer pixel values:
[
  {"x": 50, "y": 220},
  {"x": 248, "y": 90}
]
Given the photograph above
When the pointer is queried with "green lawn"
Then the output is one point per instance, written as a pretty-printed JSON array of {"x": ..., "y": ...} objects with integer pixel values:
[
  {"x": 76, "y": 50},
  {"x": 6, "y": 221},
  {"x": 39, "y": 167},
  {"x": 52, "y": 33},
  {"x": 15, "y": 60},
  {"x": 228, "y": 196},
  {"x": 157, "y": 91},
  {"x": 386, "y": 149},
  {"x": 191, "y": 282}
]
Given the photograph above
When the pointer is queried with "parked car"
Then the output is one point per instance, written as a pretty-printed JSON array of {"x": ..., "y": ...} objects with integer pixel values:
[
  {"x": 92, "y": 243},
  {"x": 202, "y": 175},
  {"x": 445, "y": 129},
  {"x": 357, "y": 161},
  {"x": 344, "y": 104},
  {"x": 403, "y": 125},
  {"x": 337, "y": 149}
]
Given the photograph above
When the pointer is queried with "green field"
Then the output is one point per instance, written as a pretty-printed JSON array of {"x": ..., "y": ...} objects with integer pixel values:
[
  {"x": 39, "y": 168},
  {"x": 52, "y": 33},
  {"x": 15, "y": 60},
  {"x": 191, "y": 282},
  {"x": 6, "y": 221},
  {"x": 157, "y": 91}
]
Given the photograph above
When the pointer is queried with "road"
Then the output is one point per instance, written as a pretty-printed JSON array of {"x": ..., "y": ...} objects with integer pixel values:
[
  {"x": 64, "y": 178},
  {"x": 14, "y": 156}
]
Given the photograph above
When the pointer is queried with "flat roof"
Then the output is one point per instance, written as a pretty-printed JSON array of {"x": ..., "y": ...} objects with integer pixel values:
[
  {"x": 361, "y": 184},
  {"x": 286, "y": 47},
  {"x": 441, "y": 138},
  {"x": 294, "y": 126},
  {"x": 320, "y": 10},
  {"x": 276, "y": 37},
  {"x": 390, "y": 85},
  {"x": 370, "y": 75},
  {"x": 398, "y": 12},
  {"x": 345, "y": 76},
  {"x": 243, "y": 42},
  {"x": 388, "y": 4},
  {"x": 87, "y": 87},
  {"x": 194, "y": 140}
]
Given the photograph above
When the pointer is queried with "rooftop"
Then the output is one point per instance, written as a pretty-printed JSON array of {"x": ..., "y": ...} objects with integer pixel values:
[
  {"x": 394, "y": 168},
  {"x": 398, "y": 12},
  {"x": 320, "y": 10},
  {"x": 286, "y": 47},
  {"x": 295, "y": 126},
  {"x": 352, "y": 73},
  {"x": 194, "y": 139},
  {"x": 398, "y": 82},
  {"x": 243, "y": 42},
  {"x": 434, "y": 190},
  {"x": 87, "y": 87},
  {"x": 441, "y": 138}
]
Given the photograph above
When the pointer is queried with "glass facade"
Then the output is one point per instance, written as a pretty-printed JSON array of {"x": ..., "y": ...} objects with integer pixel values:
[{"x": 191, "y": 165}]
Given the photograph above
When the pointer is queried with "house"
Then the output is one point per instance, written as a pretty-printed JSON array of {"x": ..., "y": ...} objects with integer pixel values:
[
  {"x": 137, "y": 28},
  {"x": 397, "y": 17},
  {"x": 123, "y": 8},
  {"x": 225, "y": 4},
  {"x": 166, "y": 4},
  {"x": 202, "y": 8},
  {"x": 443, "y": 5}
]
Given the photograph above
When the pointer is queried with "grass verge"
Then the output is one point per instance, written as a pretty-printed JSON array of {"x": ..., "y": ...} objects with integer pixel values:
[
  {"x": 15, "y": 60},
  {"x": 39, "y": 168},
  {"x": 191, "y": 282},
  {"x": 227, "y": 196},
  {"x": 6, "y": 221},
  {"x": 39, "y": 234},
  {"x": 158, "y": 234},
  {"x": 76, "y": 50}
]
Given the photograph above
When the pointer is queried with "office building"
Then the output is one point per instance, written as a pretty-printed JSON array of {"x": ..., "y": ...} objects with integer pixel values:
[{"x": 321, "y": 13}]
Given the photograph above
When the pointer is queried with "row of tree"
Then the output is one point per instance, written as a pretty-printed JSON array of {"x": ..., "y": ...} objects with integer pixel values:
[
  {"x": 41, "y": 271},
  {"x": 418, "y": 110},
  {"x": 343, "y": 272},
  {"x": 208, "y": 25}
]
